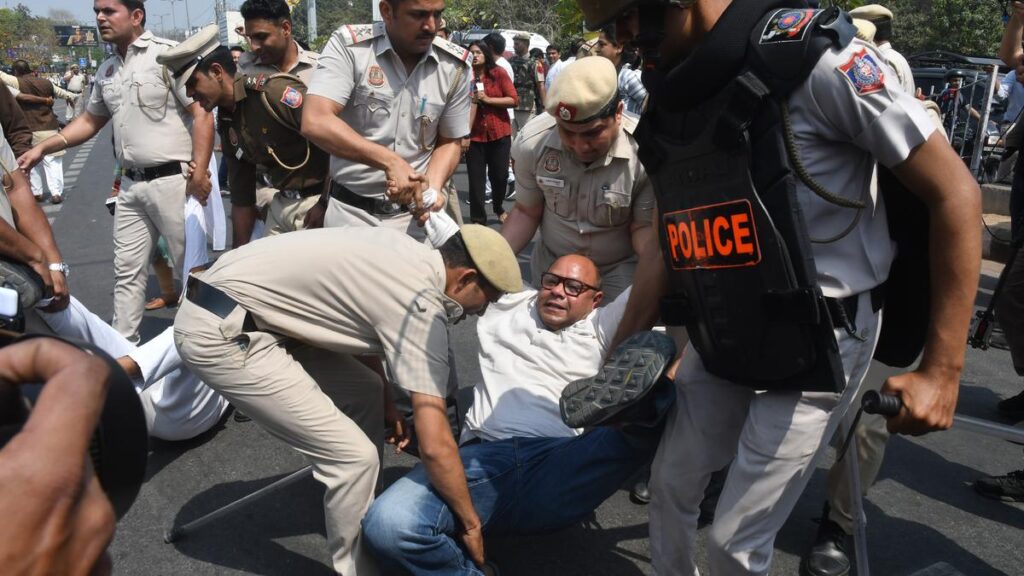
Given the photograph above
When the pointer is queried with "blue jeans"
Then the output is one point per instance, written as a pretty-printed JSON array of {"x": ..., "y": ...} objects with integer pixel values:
[{"x": 518, "y": 486}]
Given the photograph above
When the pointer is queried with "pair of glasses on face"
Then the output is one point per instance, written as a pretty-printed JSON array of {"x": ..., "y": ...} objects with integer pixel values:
[{"x": 571, "y": 286}]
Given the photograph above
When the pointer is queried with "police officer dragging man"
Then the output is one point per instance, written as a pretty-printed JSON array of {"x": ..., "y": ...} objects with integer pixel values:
[
  {"x": 236, "y": 332},
  {"x": 774, "y": 253},
  {"x": 261, "y": 138},
  {"x": 580, "y": 180},
  {"x": 158, "y": 133},
  {"x": 390, "y": 103}
]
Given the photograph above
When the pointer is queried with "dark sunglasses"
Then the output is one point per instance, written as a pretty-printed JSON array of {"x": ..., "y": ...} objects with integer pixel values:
[{"x": 571, "y": 286}]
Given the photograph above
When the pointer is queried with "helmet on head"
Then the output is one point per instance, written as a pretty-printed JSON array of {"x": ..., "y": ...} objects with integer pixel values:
[{"x": 600, "y": 13}]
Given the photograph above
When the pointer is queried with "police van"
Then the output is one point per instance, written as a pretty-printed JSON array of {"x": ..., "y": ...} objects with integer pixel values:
[{"x": 467, "y": 36}]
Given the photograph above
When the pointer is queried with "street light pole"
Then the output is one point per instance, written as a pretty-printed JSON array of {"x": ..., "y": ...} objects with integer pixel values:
[
  {"x": 188, "y": 20},
  {"x": 163, "y": 30},
  {"x": 174, "y": 21}
]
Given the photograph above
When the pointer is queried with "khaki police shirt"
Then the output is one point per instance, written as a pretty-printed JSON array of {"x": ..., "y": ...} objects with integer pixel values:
[
  {"x": 304, "y": 65},
  {"x": 360, "y": 70},
  {"x": 151, "y": 123},
  {"x": 849, "y": 113},
  {"x": 587, "y": 209},
  {"x": 326, "y": 287},
  {"x": 263, "y": 140}
]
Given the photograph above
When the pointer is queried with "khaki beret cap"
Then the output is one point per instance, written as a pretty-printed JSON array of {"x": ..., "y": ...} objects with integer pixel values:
[
  {"x": 493, "y": 257},
  {"x": 583, "y": 90},
  {"x": 872, "y": 12},
  {"x": 521, "y": 36},
  {"x": 182, "y": 59},
  {"x": 865, "y": 29}
]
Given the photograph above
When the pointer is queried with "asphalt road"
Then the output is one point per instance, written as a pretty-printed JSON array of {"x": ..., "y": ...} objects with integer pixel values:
[{"x": 921, "y": 511}]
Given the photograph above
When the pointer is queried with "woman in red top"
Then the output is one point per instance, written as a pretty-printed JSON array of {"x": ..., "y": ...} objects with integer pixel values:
[{"x": 491, "y": 134}]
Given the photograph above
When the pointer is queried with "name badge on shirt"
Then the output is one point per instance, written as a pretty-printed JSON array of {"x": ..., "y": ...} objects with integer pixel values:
[
  {"x": 553, "y": 182},
  {"x": 106, "y": 81}
]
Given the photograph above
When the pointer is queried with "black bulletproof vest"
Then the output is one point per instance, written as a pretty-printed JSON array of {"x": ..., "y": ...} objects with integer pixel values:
[{"x": 733, "y": 236}]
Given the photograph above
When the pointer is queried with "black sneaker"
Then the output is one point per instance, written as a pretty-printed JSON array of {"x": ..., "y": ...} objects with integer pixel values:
[
  {"x": 1008, "y": 488},
  {"x": 1012, "y": 407},
  {"x": 627, "y": 376},
  {"x": 828, "y": 556}
]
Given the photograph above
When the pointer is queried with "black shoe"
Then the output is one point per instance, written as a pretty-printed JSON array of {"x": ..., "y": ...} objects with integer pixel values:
[
  {"x": 641, "y": 492},
  {"x": 1012, "y": 407},
  {"x": 828, "y": 556},
  {"x": 998, "y": 338},
  {"x": 1008, "y": 488},
  {"x": 510, "y": 194},
  {"x": 240, "y": 417},
  {"x": 628, "y": 375}
]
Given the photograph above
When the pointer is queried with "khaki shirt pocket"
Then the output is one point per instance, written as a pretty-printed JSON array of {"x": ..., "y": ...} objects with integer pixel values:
[
  {"x": 151, "y": 93},
  {"x": 611, "y": 207},
  {"x": 560, "y": 199},
  {"x": 426, "y": 125},
  {"x": 371, "y": 107},
  {"x": 111, "y": 92}
]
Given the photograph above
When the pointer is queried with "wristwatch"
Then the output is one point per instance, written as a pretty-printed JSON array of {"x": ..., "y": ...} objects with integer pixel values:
[{"x": 60, "y": 267}]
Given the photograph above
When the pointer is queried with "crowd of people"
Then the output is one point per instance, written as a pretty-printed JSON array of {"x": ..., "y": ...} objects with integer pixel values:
[{"x": 705, "y": 294}]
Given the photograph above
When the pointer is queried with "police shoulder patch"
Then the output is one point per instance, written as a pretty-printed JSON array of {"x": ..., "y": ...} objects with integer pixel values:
[
  {"x": 451, "y": 48},
  {"x": 355, "y": 33},
  {"x": 788, "y": 25},
  {"x": 863, "y": 72},
  {"x": 291, "y": 97}
]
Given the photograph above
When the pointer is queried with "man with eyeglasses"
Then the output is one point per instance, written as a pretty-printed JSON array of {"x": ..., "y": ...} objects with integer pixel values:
[
  {"x": 527, "y": 471},
  {"x": 162, "y": 139},
  {"x": 580, "y": 180}
]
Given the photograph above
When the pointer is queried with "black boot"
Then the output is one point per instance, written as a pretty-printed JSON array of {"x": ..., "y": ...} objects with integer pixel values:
[
  {"x": 641, "y": 492},
  {"x": 828, "y": 556}
]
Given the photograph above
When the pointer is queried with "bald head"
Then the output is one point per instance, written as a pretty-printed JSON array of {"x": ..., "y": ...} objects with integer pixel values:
[{"x": 569, "y": 291}]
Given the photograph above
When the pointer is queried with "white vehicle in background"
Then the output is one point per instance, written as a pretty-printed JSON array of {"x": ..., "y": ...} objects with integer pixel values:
[{"x": 464, "y": 37}]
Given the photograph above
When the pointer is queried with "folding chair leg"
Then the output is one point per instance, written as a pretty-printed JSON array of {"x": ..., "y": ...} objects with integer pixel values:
[{"x": 173, "y": 533}]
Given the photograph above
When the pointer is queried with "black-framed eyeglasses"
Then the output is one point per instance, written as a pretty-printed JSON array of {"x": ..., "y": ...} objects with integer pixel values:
[{"x": 572, "y": 286}]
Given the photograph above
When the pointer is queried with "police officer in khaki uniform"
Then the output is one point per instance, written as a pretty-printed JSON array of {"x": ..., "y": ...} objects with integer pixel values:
[
  {"x": 273, "y": 50},
  {"x": 390, "y": 103},
  {"x": 236, "y": 332},
  {"x": 157, "y": 132},
  {"x": 580, "y": 180},
  {"x": 261, "y": 138}
]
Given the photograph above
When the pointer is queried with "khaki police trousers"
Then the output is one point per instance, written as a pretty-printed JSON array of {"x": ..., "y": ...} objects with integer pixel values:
[
  {"x": 287, "y": 215},
  {"x": 145, "y": 211},
  {"x": 268, "y": 377},
  {"x": 773, "y": 440}
]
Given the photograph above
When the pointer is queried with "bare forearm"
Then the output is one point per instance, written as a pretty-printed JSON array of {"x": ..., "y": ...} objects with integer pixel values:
[
  {"x": 650, "y": 283},
  {"x": 443, "y": 161},
  {"x": 336, "y": 137},
  {"x": 202, "y": 138},
  {"x": 521, "y": 225},
  {"x": 17, "y": 247},
  {"x": 78, "y": 131},
  {"x": 444, "y": 469},
  {"x": 955, "y": 248},
  {"x": 1010, "y": 51},
  {"x": 30, "y": 219}
]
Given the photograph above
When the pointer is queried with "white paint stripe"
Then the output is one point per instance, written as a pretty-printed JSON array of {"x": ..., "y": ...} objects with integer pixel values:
[{"x": 52, "y": 208}]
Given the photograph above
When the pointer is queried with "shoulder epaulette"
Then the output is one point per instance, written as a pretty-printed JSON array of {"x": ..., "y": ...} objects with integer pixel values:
[
  {"x": 164, "y": 41},
  {"x": 629, "y": 123},
  {"x": 256, "y": 82},
  {"x": 451, "y": 48},
  {"x": 355, "y": 33}
]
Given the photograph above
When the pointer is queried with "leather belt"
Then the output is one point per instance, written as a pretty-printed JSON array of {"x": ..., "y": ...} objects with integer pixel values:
[
  {"x": 209, "y": 297},
  {"x": 298, "y": 194},
  {"x": 371, "y": 205},
  {"x": 153, "y": 172}
]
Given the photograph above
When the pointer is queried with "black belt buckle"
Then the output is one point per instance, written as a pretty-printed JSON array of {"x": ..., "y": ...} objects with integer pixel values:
[{"x": 387, "y": 207}]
